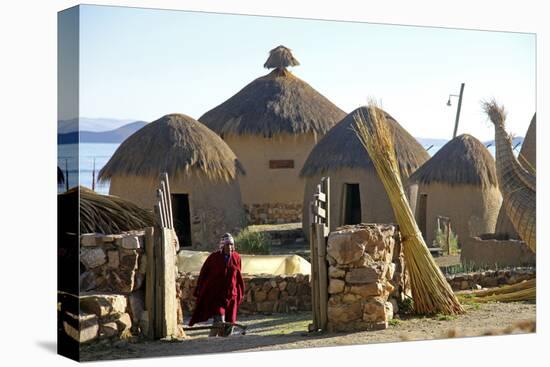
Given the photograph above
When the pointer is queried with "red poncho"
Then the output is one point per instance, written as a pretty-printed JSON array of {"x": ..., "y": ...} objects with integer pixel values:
[{"x": 220, "y": 288}]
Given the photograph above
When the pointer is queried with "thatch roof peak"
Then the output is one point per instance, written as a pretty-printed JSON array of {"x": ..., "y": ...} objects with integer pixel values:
[
  {"x": 274, "y": 104},
  {"x": 175, "y": 144},
  {"x": 462, "y": 161},
  {"x": 341, "y": 148},
  {"x": 280, "y": 57}
]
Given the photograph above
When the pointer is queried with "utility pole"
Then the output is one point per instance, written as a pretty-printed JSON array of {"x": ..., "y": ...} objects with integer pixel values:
[{"x": 458, "y": 108}]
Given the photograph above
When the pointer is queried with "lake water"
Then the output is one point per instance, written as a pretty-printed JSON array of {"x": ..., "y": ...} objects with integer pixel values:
[{"x": 102, "y": 152}]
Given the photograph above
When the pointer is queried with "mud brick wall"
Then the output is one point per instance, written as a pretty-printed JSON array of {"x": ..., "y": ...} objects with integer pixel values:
[
  {"x": 366, "y": 277},
  {"x": 487, "y": 250},
  {"x": 263, "y": 294},
  {"x": 271, "y": 213},
  {"x": 490, "y": 278}
]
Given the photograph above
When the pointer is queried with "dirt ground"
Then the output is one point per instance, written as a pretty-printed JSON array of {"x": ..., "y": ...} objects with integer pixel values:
[{"x": 289, "y": 331}]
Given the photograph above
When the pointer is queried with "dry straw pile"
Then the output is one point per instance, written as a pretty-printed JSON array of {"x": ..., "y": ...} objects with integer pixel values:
[
  {"x": 524, "y": 291},
  {"x": 431, "y": 292}
]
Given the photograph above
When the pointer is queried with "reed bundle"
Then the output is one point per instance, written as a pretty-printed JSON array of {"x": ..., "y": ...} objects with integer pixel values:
[
  {"x": 430, "y": 290},
  {"x": 524, "y": 291}
]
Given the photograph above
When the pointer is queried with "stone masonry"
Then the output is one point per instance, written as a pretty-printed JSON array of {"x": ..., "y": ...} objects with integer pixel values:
[
  {"x": 366, "y": 277},
  {"x": 271, "y": 213}
]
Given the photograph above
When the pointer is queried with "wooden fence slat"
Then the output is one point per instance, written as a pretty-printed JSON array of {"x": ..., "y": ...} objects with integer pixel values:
[
  {"x": 321, "y": 196},
  {"x": 317, "y": 210},
  {"x": 322, "y": 275},
  {"x": 150, "y": 280},
  {"x": 168, "y": 199}
]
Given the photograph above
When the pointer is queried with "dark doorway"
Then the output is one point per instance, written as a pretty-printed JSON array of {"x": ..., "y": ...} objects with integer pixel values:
[
  {"x": 422, "y": 214},
  {"x": 352, "y": 204},
  {"x": 182, "y": 218}
]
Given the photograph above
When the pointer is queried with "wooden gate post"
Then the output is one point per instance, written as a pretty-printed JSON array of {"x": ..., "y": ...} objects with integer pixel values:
[
  {"x": 161, "y": 245},
  {"x": 319, "y": 230}
]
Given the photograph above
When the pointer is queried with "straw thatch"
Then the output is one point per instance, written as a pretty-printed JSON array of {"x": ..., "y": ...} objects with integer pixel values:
[
  {"x": 462, "y": 161},
  {"x": 340, "y": 148},
  {"x": 280, "y": 57},
  {"x": 174, "y": 144},
  {"x": 430, "y": 290},
  {"x": 276, "y": 103},
  {"x": 103, "y": 213}
]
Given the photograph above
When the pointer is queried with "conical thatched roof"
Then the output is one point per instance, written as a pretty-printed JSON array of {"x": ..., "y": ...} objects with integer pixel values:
[
  {"x": 273, "y": 104},
  {"x": 280, "y": 57},
  {"x": 340, "y": 148},
  {"x": 462, "y": 161},
  {"x": 174, "y": 144}
]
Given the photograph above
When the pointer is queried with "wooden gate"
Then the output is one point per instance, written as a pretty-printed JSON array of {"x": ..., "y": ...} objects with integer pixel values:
[
  {"x": 319, "y": 227},
  {"x": 161, "y": 245}
]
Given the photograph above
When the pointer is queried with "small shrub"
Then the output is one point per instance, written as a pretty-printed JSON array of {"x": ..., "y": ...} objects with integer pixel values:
[
  {"x": 406, "y": 306},
  {"x": 252, "y": 243},
  {"x": 394, "y": 322}
]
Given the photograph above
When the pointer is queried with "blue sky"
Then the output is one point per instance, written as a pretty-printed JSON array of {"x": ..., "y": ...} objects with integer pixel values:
[{"x": 142, "y": 64}]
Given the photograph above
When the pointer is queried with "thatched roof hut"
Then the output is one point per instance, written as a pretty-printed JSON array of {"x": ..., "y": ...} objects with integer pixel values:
[
  {"x": 272, "y": 124},
  {"x": 357, "y": 194},
  {"x": 528, "y": 158},
  {"x": 460, "y": 183},
  {"x": 203, "y": 174}
]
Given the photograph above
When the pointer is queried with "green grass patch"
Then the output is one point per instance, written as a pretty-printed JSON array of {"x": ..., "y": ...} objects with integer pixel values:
[
  {"x": 394, "y": 322},
  {"x": 252, "y": 243}
]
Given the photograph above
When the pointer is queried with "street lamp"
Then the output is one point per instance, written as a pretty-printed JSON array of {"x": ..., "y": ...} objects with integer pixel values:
[{"x": 458, "y": 108}]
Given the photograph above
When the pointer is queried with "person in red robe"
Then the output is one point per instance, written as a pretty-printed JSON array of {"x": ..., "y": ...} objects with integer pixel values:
[{"x": 220, "y": 288}]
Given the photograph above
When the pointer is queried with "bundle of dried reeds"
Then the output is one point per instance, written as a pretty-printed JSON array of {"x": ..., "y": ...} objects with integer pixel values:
[
  {"x": 431, "y": 292},
  {"x": 524, "y": 291}
]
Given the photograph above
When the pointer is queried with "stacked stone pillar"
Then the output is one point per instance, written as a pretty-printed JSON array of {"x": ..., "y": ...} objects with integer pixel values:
[{"x": 366, "y": 277}]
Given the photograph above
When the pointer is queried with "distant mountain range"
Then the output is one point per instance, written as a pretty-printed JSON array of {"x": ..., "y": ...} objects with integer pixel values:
[
  {"x": 89, "y": 133},
  {"x": 102, "y": 131}
]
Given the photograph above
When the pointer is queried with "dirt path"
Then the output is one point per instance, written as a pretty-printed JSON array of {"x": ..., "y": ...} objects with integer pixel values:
[{"x": 288, "y": 331}]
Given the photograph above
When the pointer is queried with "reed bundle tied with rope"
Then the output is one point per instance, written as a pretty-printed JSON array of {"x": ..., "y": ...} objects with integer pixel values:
[
  {"x": 430, "y": 290},
  {"x": 524, "y": 291}
]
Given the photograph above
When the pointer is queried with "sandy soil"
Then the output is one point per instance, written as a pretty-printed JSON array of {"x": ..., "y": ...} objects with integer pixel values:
[{"x": 288, "y": 331}]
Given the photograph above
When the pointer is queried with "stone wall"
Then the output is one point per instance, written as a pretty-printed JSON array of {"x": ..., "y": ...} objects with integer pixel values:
[
  {"x": 489, "y": 278},
  {"x": 488, "y": 250},
  {"x": 366, "y": 277},
  {"x": 262, "y": 294},
  {"x": 111, "y": 287},
  {"x": 112, "y": 263},
  {"x": 271, "y": 213}
]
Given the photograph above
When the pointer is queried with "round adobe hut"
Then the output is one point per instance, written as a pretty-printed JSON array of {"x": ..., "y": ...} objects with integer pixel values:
[
  {"x": 272, "y": 124},
  {"x": 460, "y": 183},
  {"x": 203, "y": 173},
  {"x": 356, "y": 193},
  {"x": 528, "y": 158}
]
